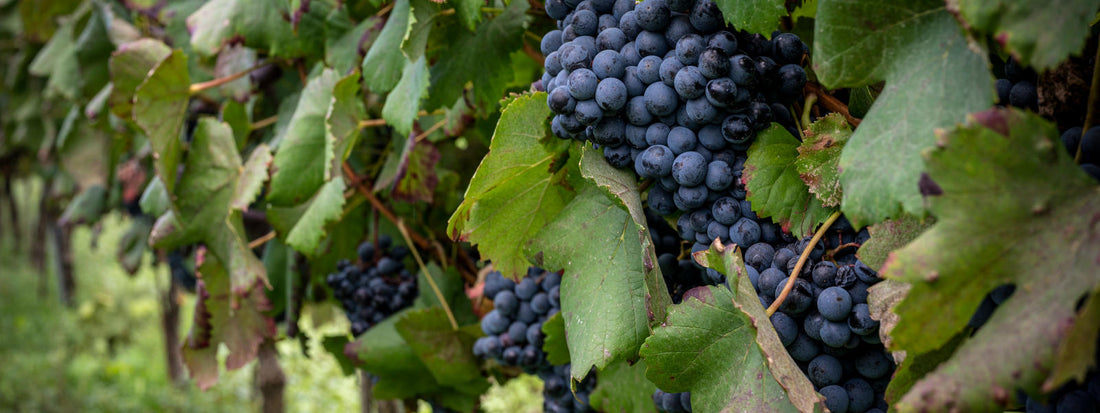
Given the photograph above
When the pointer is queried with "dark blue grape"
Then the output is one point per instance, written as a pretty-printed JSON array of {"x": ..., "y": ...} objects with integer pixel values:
[
  {"x": 836, "y": 398},
  {"x": 611, "y": 38},
  {"x": 518, "y": 332},
  {"x": 634, "y": 85},
  {"x": 726, "y": 210},
  {"x": 621, "y": 7},
  {"x": 551, "y": 41},
  {"x": 860, "y": 395},
  {"x": 560, "y": 100},
  {"x": 705, "y": 16},
  {"x": 670, "y": 67},
  {"x": 722, "y": 92},
  {"x": 588, "y": 112},
  {"x": 689, "y": 198},
  {"x": 759, "y": 255},
  {"x": 745, "y": 231},
  {"x": 681, "y": 140},
  {"x": 635, "y": 135},
  {"x": 679, "y": 26},
  {"x": 719, "y": 176},
  {"x": 611, "y": 94},
  {"x": 526, "y": 289},
  {"x": 743, "y": 71},
  {"x": 834, "y": 303},
  {"x": 791, "y": 80},
  {"x": 860, "y": 321},
  {"x": 858, "y": 290},
  {"x": 588, "y": 43},
  {"x": 689, "y": 47},
  {"x": 716, "y": 230},
  {"x": 824, "y": 274},
  {"x": 540, "y": 303},
  {"x": 1004, "y": 87},
  {"x": 556, "y": 9},
  {"x": 689, "y": 168},
  {"x": 803, "y": 348},
  {"x": 506, "y": 302},
  {"x": 835, "y": 334},
  {"x": 618, "y": 156},
  {"x": 1023, "y": 95},
  {"x": 650, "y": 43},
  {"x": 1071, "y": 138},
  {"x": 609, "y": 132},
  {"x": 608, "y": 63},
  {"x": 825, "y": 370},
  {"x": 761, "y": 114},
  {"x": 660, "y": 99},
  {"x": 700, "y": 111},
  {"x": 660, "y": 201},
  {"x": 652, "y": 15},
  {"x": 494, "y": 323},
  {"x": 714, "y": 63},
  {"x": 737, "y": 129},
  {"x": 657, "y": 134},
  {"x": 785, "y": 327},
  {"x": 607, "y": 21},
  {"x": 553, "y": 66},
  {"x": 767, "y": 71},
  {"x": 511, "y": 355},
  {"x": 788, "y": 48},
  {"x": 628, "y": 23},
  {"x": 873, "y": 364},
  {"x": 770, "y": 278},
  {"x": 649, "y": 69},
  {"x": 799, "y": 299},
  {"x": 655, "y": 162},
  {"x": 710, "y": 137},
  {"x": 585, "y": 23},
  {"x": 690, "y": 83},
  {"x": 631, "y": 57},
  {"x": 723, "y": 40},
  {"x": 637, "y": 113},
  {"x": 582, "y": 84}
]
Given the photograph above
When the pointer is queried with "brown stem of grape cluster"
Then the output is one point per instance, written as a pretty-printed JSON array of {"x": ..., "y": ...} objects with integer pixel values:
[
  {"x": 832, "y": 103},
  {"x": 801, "y": 262}
]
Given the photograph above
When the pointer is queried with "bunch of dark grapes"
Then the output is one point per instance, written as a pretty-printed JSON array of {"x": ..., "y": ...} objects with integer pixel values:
[
  {"x": 672, "y": 402},
  {"x": 1017, "y": 88},
  {"x": 825, "y": 322},
  {"x": 1089, "y": 143},
  {"x": 514, "y": 335},
  {"x": 375, "y": 287},
  {"x": 1072, "y": 398}
]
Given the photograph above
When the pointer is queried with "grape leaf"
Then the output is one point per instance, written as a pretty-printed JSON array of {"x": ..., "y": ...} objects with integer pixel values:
[
  {"x": 755, "y": 16},
  {"x": 1039, "y": 35},
  {"x": 236, "y": 319},
  {"x": 912, "y": 369},
  {"x": 58, "y": 61},
  {"x": 818, "y": 157},
  {"x": 517, "y": 189},
  {"x": 715, "y": 346},
  {"x": 238, "y": 116},
  {"x": 415, "y": 178},
  {"x": 260, "y": 25},
  {"x": 342, "y": 122},
  {"x": 342, "y": 47},
  {"x": 890, "y": 235},
  {"x": 86, "y": 208},
  {"x": 133, "y": 244},
  {"x": 382, "y": 352},
  {"x": 39, "y": 17},
  {"x": 623, "y": 387},
  {"x": 233, "y": 59},
  {"x": 489, "y": 68},
  {"x": 384, "y": 63},
  {"x": 402, "y": 104},
  {"x": 933, "y": 77},
  {"x": 154, "y": 200},
  {"x": 335, "y": 345},
  {"x": 300, "y": 159},
  {"x": 130, "y": 65},
  {"x": 1002, "y": 167},
  {"x": 774, "y": 186},
  {"x": 446, "y": 352},
  {"x": 469, "y": 11},
  {"x": 160, "y": 103},
  {"x": 557, "y": 351},
  {"x": 612, "y": 292},
  {"x": 1080, "y": 344},
  {"x": 452, "y": 288},
  {"x": 253, "y": 175},
  {"x": 326, "y": 206}
]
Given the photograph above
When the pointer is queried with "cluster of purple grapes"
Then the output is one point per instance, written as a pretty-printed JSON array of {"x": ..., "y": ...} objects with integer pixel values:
[
  {"x": 514, "y": 335},
  {"x": 1018, "y": 88},
  {"x": 376, "y": 287}
]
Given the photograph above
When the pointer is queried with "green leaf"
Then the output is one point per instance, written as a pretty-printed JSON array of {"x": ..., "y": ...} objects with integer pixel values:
[
  {"x": 446, "y": 352},
  {"x": 384, "y": 63},
  {"x": 451, "y": 287},
  {"x": 755, "y": 16},
  {"x": 326, "y": 207},
  {"x": 403, "y": 103},
  {"x": 912, "y": 369},
  {"x": 933, "y": 78},
  {"x": 301, "y": 159},
  {"x": 58, "y": 61},
  {"x": 1079, "y": 345},
  {"x": 130, "y": 65},
  {"x": 1012, "y": 208},
  {"x": 260, "y": 25},
  {"x": 253, "y": 175},
  {"x": 231, "y": 60},
  {"x": 342, "y": 48},
  {"x": 154, "y": 201},
  {"x": 890, "y": 235},
  {"x": 237, "y": 115},
  {"x": 236, "y": 319},
  {"x": 86, "y": 208},
  {"x": 160, "y": 104},
  {"x": 860, "y": 100},
  {"x": 335, "y": 346},
  {"x": 1040, "y": 35},
  {"x": 612, "y": 291},
  {"x": 39, "y": 17},
  {"x": 774, "y": 186},
  {"x": 489, "y": 68},
  {"x": 133, "y": 244},
  {"x": 416, "y": 178},
  {"x": 517, "y": 189},
  {"x": 717, "y": 345},
  {"x": 819, "y": 155},
  {"x": 623, "y": 387},
  {"x": 469, "y": 11},
  {"x": 342, "y": 122},
  {"x": 557, "y": 351}
]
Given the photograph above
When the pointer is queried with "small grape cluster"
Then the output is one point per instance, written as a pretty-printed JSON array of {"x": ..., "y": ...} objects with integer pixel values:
[
  {"x": 825, "y": 322},
  {"x": 514, "y": 335},
  {"x": 1089, "y": 143},
  {"x": 1017, "y": 88},
  {"x": 672, "y": 402},
  {"x": 375, "y": 288},
  {"x": 1071, "y": 398}
]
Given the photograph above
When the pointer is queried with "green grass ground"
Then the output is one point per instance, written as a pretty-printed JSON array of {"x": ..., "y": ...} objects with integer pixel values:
[{"x": 56, "y": 359}]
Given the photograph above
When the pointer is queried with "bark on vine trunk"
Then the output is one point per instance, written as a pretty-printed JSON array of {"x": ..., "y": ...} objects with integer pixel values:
[
  {"x": 63, "y": 258},
  {"x": 170, "y": 322},
  {"x": 270, "y": 378},
  {"x": 41, "y": 233}
]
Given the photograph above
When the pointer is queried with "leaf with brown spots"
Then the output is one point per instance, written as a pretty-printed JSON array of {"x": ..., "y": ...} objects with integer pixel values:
[{"x": 818, "y": 161}]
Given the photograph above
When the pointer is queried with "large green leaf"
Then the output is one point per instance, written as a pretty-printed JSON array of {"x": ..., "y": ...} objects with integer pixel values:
[
  {"x": 160, "y": 104},
  {"x": 1012, "y": 208},
  {"x": 623, "y": 387},
  {"x": 385, "y": 62},
  {"x": 224, "y": 317},
  {"x": 718, "y": 345},
  {"x": 774, "y": 186},
  {"x": 819, "y": 155},
  {"x": 342, "y": 122},
  {"x": 890, "y": 235},
  {"x": 482, "y": 58},
  {"x": 58, "y": 61},
  {"x": 326, "y": 206},
  {"x": 253, "y": 175},
  {"x": 403, "y": 103},
  {"x": 301, "y": 158},
  {"x": 130, "y": 65},
  {"x": 755, "y": 16},
  {"x": 260, "y": 25},
  {"x": 342, "y": 40},
  {"x": 517, "y": 188},
  {"x": 1039, "y": 34},
  {"x": 933, "y": 78},
  {"x": 557, "y": 350},
  {"x": 612, "y": 291},
  {"x": 446, "y": 352}
]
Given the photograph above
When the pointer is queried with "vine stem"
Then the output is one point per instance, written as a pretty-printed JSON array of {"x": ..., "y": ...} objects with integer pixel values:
[
  {"x": 433, "y": 128},
  {"x": 201, "y": 86},
  {"x": 802, "y": 261},
  {"x": 261, "y": 240},
  {"x": 1094, "y": 97},
  {"x": 833, "y": 104},
  {"x": 265, "y": 122},
  {"x": 370, "y": 123},
  {"x": 428, "y": 275}
]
